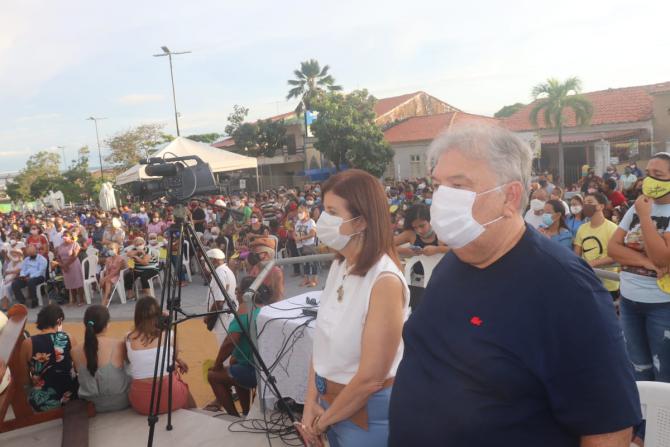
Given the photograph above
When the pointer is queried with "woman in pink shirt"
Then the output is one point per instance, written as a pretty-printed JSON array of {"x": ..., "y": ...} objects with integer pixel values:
[{"x": 156, "y": 225}]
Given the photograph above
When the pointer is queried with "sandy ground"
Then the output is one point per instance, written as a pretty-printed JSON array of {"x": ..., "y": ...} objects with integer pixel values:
[{"x": 196, "y": 344}]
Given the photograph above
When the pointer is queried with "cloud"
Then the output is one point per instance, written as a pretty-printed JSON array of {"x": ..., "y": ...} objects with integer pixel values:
[
  {"x": 38, "y": 117},
  {"x": 137, "y": 98},
  {"x": 12, "y": 153}
]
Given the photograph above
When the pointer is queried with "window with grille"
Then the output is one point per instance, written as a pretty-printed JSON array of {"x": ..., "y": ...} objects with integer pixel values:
[{"x": 415, "y": 166}]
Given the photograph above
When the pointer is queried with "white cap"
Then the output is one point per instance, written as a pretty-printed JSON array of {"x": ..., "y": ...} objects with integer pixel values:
[
  {"x": 116, "y": 223},
  {"x": 215, "y": 253},
  {"x": 220, "y": 202}
]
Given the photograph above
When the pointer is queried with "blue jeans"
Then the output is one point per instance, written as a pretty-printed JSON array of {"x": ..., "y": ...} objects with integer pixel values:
[
  {"x": 348, "y": 434},
  {"x": 309, "y": 268},
  {"x": 646, "y": 328}
]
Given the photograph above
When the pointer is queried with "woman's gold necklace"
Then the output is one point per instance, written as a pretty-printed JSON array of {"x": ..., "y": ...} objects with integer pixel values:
[{"x": 340, "y": 290}]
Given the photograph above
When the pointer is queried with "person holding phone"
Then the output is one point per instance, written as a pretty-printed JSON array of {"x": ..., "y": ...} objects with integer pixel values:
[{"x": 419, "y": 234}]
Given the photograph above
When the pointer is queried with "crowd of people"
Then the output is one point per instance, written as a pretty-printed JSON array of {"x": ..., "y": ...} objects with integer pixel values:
[
  {"x": 47, "y": 250},
  {"x": 616, "y": 223}
]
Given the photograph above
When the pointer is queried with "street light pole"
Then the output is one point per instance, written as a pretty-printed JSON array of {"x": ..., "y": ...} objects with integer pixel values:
[
  {"x": 169, "y": 54},
  {"x": 97, "y": 138}
]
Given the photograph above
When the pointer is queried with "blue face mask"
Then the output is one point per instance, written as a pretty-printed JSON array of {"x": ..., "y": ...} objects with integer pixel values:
[
  {"x": 428, "y": 201},
  {"x": 547, "y": 220}
]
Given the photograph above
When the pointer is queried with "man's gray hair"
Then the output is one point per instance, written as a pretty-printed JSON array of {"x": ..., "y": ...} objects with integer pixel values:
[{"x": 508, "y": 156}]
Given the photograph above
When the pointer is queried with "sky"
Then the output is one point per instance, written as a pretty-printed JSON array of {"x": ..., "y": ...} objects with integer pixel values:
[{"x": 61, "y": 62}]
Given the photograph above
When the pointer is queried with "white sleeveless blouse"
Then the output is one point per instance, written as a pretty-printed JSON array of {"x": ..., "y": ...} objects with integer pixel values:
[{"x": 339, "y": 325}]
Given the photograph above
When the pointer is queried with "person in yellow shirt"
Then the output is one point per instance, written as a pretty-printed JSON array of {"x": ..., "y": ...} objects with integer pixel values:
[{"x": 592, "y": 239}]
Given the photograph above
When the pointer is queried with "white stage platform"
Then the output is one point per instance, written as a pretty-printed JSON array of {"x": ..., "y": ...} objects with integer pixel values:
[{"x": 128, "y": 429}]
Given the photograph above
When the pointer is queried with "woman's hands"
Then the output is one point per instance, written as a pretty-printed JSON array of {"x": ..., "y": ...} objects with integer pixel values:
[{"x": 311, "y": 428}]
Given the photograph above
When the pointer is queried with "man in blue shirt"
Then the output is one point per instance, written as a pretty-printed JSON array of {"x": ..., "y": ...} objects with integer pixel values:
[
  {"x": 516, "y": 342},
  {"x": 32, "y": 274}
]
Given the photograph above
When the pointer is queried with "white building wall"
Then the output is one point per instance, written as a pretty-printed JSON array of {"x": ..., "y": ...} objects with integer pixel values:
[{"x": 405, "y": 164}]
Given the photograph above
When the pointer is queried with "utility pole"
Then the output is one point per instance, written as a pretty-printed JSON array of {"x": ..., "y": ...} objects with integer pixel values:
[
  {"x": 97, "y": 137},
  {"x": 169, "y": 54}
]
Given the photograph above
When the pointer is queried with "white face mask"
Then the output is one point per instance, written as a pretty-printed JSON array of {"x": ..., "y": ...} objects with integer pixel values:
[
  {"x": 328, "y": 231},
  {"x": 536, "y": 204},
  {"x": 451, "y": 216},
  {"x": 576, "y": 209}
]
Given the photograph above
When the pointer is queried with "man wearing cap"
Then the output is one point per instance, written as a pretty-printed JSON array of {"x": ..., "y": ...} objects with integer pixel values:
[
  {"x": 265, "y": 249},
  {"x": 228, "y": 280}
]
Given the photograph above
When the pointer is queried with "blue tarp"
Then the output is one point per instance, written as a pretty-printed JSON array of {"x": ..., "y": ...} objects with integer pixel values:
[{"x": 321, "y": 173}]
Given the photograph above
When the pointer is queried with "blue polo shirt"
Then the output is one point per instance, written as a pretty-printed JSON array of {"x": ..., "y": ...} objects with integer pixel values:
[{"x": 526, "y": 352}]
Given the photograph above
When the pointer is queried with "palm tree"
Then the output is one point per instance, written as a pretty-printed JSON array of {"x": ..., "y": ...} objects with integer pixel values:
[
  {"x": 310, "y": 81},
  {"x": 551, "y": 99}
]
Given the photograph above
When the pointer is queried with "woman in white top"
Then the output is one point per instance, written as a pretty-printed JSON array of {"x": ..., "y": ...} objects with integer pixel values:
[
  {"x": 141, "y": 347},
  {"x": 305, "y": 240},
  {"x": 357, "y": 342}
]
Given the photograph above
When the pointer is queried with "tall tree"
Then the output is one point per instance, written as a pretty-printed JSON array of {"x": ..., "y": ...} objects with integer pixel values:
[
  {"x": 208, "y": 138},
  {"x": 41, "y": 174},
  {"x": 236, "y": 119},
  {"x": 509, "y": 110},
  {"x": 270, "y": 138},
  {"x": 127, "y": 148},
  {"x": 246, "y": 136},
  {"x": 552, "y": 99},
  {"x": 346, "y": 132},
  {"x": 77, "y": 183},
  {"x": 311, "y": 80}
]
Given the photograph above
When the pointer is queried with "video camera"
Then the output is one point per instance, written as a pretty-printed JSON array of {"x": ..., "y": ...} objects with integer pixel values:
[{"x": 178, "y": 181}]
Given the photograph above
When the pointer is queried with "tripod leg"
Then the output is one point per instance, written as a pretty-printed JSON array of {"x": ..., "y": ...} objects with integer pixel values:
[
  {"x": 174, "y": 306},
  {"x": 157, "y": 387}
]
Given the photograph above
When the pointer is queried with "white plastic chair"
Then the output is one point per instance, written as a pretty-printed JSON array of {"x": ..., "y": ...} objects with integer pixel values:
[
  {"x": 428, "y": 262},
  {"x": 119, "y": 288},
  {"x": 91, "y": 251},
  {"x": 151, "y": 284},
  {"x": 655, "y": 401},
  {"x": 88, "y": 269},
  {"x": 42, "y": 294},
  {"x": 276, "y": 239},
  {"x": 186, "y": 260}
]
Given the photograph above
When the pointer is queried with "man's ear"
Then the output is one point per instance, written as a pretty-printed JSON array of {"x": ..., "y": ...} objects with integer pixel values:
[{"x": 513, "y": 196}]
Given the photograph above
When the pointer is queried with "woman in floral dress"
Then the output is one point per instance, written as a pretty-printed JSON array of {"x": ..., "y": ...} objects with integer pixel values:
[{"x": 53, "y": 379}]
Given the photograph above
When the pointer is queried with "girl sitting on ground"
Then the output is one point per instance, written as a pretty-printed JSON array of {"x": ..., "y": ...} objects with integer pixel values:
[
  {"x": 53, "y": 379},
  {"x": 141, "y": 347},
  {"x": 100, "y": 363}
]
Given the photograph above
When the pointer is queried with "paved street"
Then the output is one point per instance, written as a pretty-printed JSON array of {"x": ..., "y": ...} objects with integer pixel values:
[{"x": 194, "y": 298}]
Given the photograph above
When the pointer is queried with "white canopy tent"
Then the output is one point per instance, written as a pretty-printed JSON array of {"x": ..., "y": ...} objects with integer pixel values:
[{"x": 219, "y": 160}]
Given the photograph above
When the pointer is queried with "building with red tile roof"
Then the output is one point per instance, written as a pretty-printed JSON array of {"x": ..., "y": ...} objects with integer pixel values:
[
  {"x": 426, "y": 128},
  {"x": 627, "y": 124}
]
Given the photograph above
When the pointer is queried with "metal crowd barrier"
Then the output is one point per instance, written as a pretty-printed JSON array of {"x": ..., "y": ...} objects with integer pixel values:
[{"x": 606, "y": 274}]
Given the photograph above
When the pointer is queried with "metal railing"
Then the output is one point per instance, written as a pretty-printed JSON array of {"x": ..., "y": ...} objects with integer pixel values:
[{"x": 606, "y": 274}]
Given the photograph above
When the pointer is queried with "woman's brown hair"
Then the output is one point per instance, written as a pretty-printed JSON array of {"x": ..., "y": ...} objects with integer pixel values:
[
  {"x": 147, "y": 316},
  {"x": 366, "y": 198}
]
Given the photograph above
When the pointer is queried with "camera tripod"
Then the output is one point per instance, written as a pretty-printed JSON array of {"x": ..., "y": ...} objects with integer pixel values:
[{"x": 170, "y": 301}]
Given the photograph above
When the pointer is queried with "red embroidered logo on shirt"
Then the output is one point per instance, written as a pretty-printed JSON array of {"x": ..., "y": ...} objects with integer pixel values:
[{"x": 476, "y": 321}]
